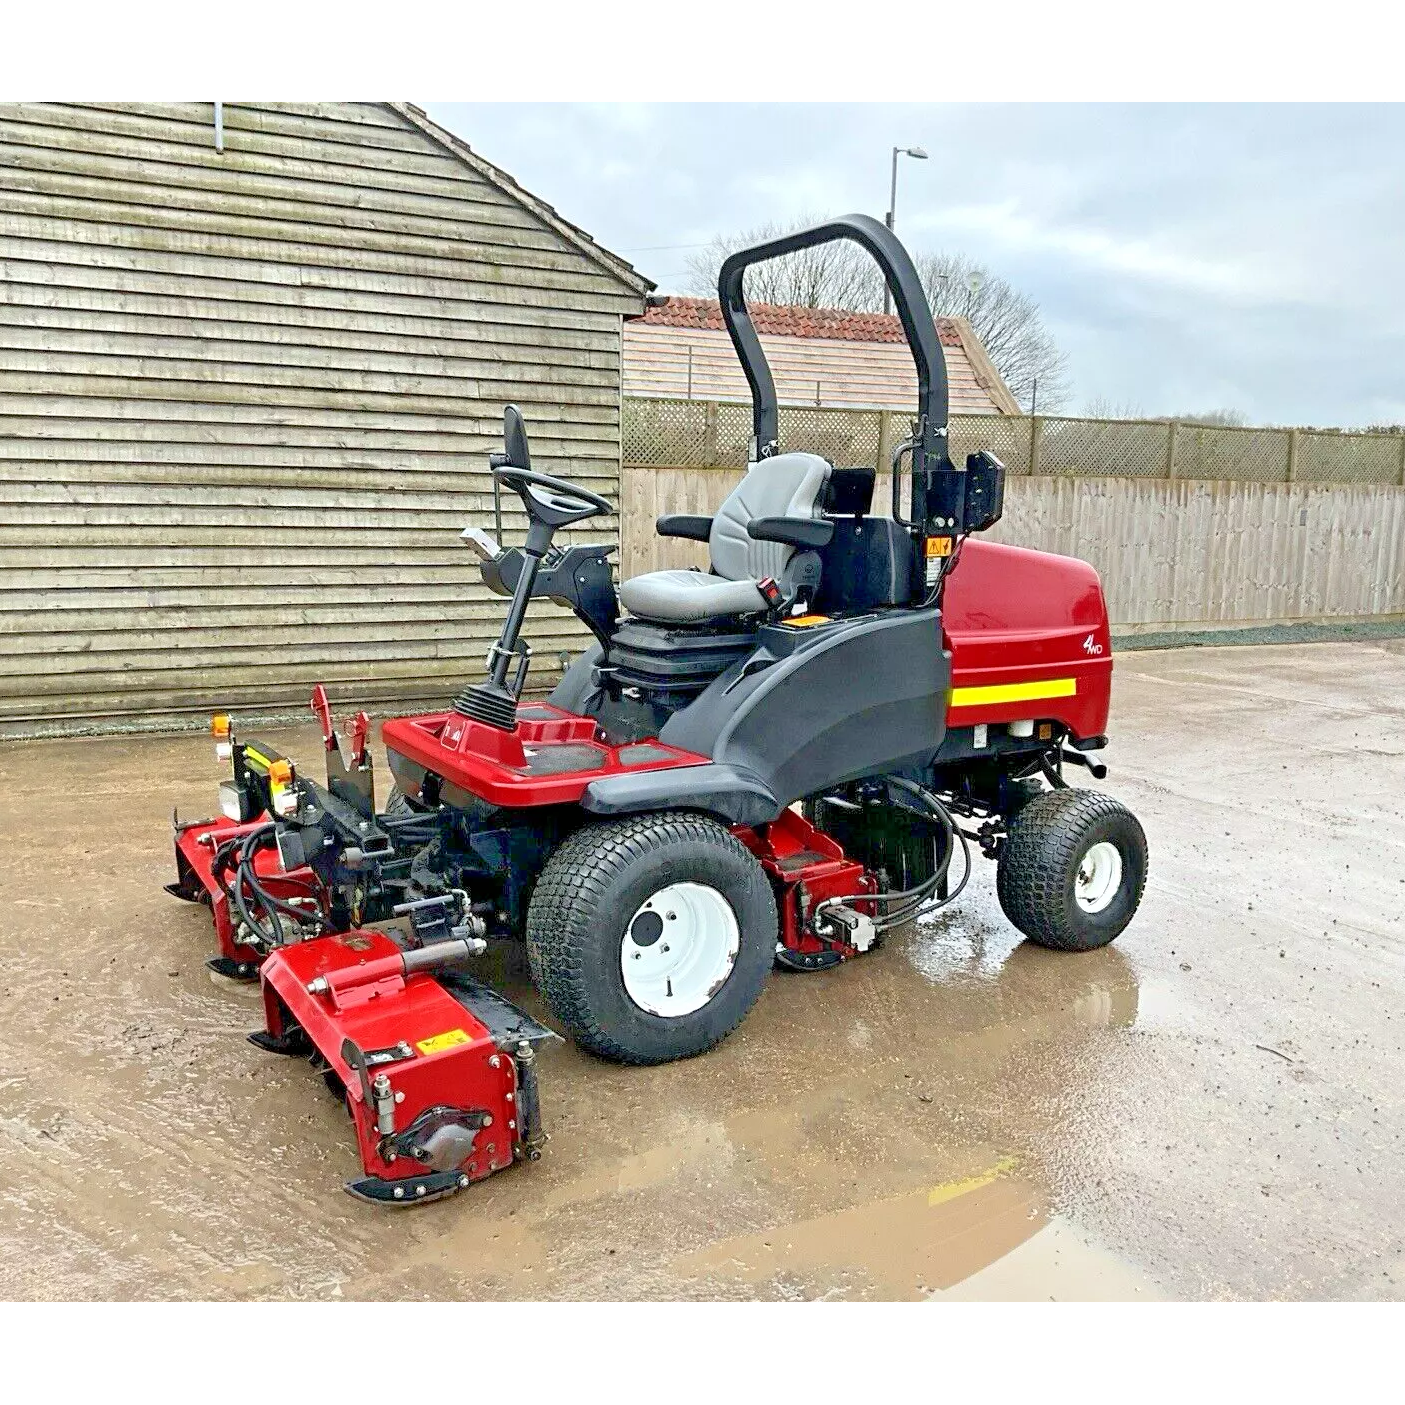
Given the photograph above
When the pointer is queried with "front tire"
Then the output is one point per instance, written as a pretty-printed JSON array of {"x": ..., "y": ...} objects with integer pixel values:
[
  {"x": 1072, "y": 869},
  {"x": 650, "y": 937}
]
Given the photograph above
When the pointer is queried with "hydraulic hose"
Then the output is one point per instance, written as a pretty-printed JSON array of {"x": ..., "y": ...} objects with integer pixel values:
[
  {"x": 955, "y": 836},
  {"x": 247, "y": 876},
  {"x": 913, "y": 900}
]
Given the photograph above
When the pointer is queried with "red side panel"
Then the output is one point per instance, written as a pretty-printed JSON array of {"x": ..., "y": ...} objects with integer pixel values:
[
  {"x": 1028, "y": 635},
  {"x": 449, "y": 1057},
  {"x": 549, "y": 758}
]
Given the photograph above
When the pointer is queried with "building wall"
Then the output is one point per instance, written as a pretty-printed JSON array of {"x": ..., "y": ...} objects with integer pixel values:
[
  {"x": 247, "y": 398},
  {"x": 1173, "y": 555},
  {"x": 807, "y": 370}
]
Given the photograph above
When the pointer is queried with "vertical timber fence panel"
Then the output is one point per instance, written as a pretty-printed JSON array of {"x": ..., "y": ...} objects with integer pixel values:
[{"x": 1190, "y": 526}]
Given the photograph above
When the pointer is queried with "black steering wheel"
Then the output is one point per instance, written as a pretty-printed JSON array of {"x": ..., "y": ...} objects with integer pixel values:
[{"x": 552, "y": 501}]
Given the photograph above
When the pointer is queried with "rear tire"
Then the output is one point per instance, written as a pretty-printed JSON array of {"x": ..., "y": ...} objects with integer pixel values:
[
  {"x": 593, "y": 915},
  {"x": 397, "y": 804},
  {"x": 1072, "y": 869}
]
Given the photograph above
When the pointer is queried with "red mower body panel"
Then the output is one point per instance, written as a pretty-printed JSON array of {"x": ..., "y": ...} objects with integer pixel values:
[
  {"x": 369, "y": 1021},
  {"x": 1028, "y": 634},
  {"x": 549, "y": 759}
]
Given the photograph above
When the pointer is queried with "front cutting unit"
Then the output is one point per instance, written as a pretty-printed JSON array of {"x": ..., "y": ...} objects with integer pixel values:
[{"x": 772, "y": 763}]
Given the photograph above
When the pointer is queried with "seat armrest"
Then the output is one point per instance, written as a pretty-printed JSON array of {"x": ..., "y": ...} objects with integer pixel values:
[
  {"x": 680, "y": 524},
  {"x": 792, "y": 531}
]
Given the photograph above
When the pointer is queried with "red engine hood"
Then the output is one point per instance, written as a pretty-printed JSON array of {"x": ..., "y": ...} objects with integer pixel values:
[{"x": 1029, "y": 637}]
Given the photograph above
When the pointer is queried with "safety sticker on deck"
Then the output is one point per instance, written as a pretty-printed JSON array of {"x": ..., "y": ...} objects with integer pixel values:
[{"x": 439, "y": 1042}]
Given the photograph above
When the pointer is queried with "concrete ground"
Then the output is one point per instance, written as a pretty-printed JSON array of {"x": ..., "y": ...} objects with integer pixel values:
[{"x": 1210, "y": 1108}]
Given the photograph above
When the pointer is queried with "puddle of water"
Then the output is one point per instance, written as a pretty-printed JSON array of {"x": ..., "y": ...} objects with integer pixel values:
[
  {"x": 898, "y": 1248},
  {"x": 1057, "y": 1263},
  {"x": 1160, "y": 1006}
]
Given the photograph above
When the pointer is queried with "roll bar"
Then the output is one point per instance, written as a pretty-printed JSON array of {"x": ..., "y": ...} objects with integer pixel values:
[{"x": 930, "y": 449}]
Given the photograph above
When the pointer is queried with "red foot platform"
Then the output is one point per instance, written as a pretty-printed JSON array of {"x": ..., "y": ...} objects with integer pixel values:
[{"x": 549, "y": 758}]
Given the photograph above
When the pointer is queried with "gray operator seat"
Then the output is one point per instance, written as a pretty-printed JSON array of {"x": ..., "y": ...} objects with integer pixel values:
[{"x": 788, "y": 485}]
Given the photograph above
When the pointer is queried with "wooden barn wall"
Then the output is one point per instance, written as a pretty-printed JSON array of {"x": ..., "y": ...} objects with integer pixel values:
[{"x": 247, "y": 399}]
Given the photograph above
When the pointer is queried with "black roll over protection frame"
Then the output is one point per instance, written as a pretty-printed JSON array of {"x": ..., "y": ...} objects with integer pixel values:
[{"x": 947, "y": 501}]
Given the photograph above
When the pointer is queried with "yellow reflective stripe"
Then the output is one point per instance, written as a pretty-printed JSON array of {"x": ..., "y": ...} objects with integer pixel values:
[{"x": 1014, "y": 692}]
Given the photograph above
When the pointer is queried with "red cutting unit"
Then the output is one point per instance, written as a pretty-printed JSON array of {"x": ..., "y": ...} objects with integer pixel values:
[
  {"x": 438, "y": 1074},
  {"x": 206, "y": 857}
]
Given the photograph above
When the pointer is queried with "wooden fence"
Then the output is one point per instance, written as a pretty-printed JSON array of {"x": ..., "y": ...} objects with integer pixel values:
[{"x": 1173, "y": 554}]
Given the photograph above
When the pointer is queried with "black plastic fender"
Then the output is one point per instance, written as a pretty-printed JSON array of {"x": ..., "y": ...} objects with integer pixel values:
[
  {"x": 813, "y": 708},
  {"x": 734, "y": 795}
]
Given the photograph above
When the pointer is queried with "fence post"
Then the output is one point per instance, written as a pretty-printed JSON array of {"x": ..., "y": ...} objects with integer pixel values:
[
  {"x": 710, "y": 434},
  {"x": 1292, "y": 456},
  {"x": 885, "y": 439},
  {"x": 1402, "y": 460},
  {"x": 1036, "y": 433},
  {"x": 1171, "y": 431}
]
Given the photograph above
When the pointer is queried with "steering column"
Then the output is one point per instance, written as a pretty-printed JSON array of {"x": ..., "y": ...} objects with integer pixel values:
[{"x": 550, "y": 503}]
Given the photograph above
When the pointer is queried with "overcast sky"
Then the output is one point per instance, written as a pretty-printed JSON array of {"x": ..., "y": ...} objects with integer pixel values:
[{"x": 1186, "y": 258}]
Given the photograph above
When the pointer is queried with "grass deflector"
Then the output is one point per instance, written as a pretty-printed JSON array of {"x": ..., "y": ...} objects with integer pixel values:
[{"x": 769, "y": 764}]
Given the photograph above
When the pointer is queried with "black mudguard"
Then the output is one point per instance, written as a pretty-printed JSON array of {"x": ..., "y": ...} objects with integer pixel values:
[
  {"x": 813, "y": 708},
  {"x": 735, "y": 796}
]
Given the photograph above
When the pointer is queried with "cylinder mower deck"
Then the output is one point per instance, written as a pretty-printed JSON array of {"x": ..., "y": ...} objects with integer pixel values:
[
  {"x": 204, "y": 849},
  {"x": 438, "y": 1073}
]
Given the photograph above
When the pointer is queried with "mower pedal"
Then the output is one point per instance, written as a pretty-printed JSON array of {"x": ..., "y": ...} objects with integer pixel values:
[
  {"x": 293, "y": 1042},
  {"x": 233, "y": 970},
  {"x": 413, "y": 1190}
]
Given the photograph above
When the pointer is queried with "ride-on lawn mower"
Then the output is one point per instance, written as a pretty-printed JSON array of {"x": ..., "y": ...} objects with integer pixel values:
[{"x": 772, "y": 763}]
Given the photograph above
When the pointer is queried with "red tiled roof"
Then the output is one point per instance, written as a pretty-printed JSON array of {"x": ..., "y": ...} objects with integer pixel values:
[{"x": 832, "y": 323}]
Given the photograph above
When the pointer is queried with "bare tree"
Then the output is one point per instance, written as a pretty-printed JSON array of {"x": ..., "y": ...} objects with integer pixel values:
[
  {"x": 1103, "y": 407},
  {"x": 827, "y": 275},
  {"x": 1008, "y": 324},
  {"x": 841, "y": 274},
  {"x": 1227, "y": 419}
]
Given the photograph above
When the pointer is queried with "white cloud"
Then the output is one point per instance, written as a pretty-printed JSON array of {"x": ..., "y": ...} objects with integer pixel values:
[{"x": 1006, "y": 226}]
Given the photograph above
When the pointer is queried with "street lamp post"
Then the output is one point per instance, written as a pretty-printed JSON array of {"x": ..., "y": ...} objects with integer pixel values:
[{"x": 917, "y": 154}]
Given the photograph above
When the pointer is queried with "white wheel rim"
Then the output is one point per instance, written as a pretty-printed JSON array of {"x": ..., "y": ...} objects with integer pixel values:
[
  {"x": 678, "y": 949},
  {"x": 1099, "y": 877}
]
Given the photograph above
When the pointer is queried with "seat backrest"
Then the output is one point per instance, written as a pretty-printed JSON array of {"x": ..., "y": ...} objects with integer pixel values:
[
  {"x": 788, "y": 485},
  {"x": 867, "y": 564}
]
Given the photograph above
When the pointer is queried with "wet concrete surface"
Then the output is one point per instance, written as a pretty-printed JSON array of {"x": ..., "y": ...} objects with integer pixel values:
[{"x": 1210, "y": 1108}]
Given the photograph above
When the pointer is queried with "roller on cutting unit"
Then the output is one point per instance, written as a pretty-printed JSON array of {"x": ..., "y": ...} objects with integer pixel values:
[{"x": 771, "y": 763}]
